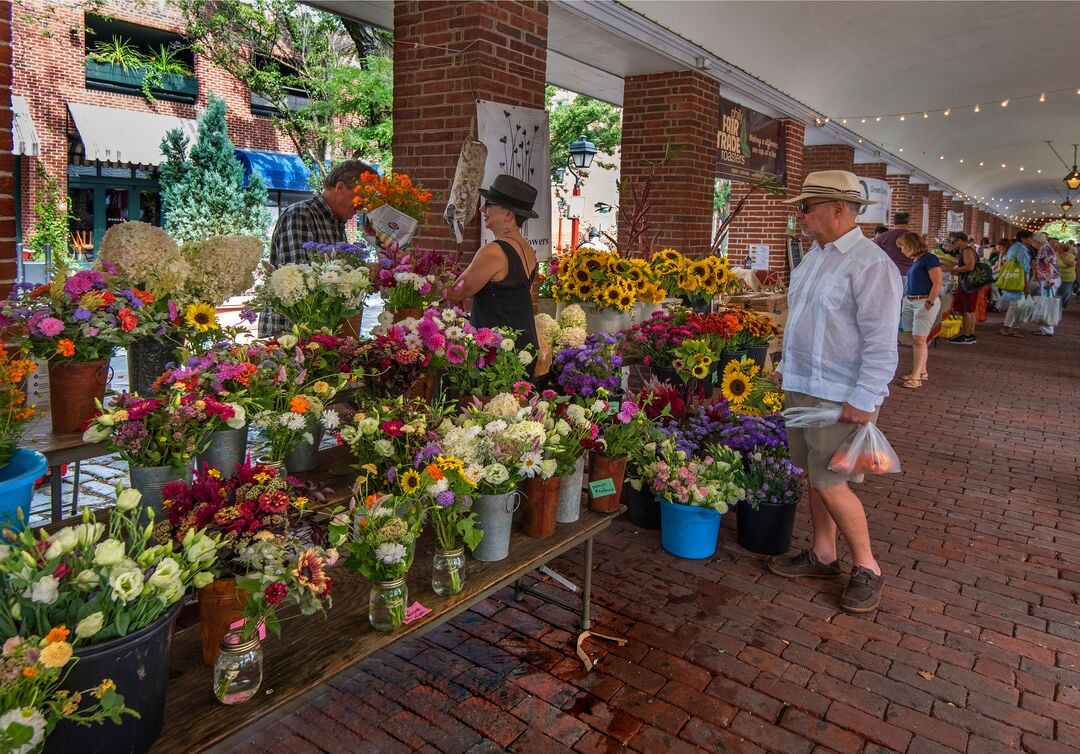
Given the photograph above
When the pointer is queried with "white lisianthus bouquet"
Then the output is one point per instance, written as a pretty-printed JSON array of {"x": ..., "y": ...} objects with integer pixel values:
[
  {"x": 498, "y": 448},
  {"x": 317, "y": 295},
  {"x": 108, "y": 580}
]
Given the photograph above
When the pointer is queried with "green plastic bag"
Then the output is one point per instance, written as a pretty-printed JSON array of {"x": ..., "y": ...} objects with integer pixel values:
[{"x": 1011, "y": 277}]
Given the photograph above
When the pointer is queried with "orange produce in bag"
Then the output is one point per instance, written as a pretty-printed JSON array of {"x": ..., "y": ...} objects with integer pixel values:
[{"x": 865, "y": 452}]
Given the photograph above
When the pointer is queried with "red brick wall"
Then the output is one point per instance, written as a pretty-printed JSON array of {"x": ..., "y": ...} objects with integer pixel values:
[
  {"x": 946, "y": 207},
  {"x": 937, "y": 217},
  {"x": 829, "y": 157},
  {"x": 901, "y": 195},
  {"x": 7, "y": 160},
  {"x": 872, "y": 170},
  {"x": 435, "y": 89},
  {"x": 50, "y": 72},
  {"x": 764, "y": 218},
  {"x": 916, "y": 193},
  {"x": 679, "y": 107}
]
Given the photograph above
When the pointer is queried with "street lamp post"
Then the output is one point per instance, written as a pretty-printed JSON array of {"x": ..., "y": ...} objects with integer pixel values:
[
  {"x": 581, "y": 157},
  {"x": 562, "y": 214}
]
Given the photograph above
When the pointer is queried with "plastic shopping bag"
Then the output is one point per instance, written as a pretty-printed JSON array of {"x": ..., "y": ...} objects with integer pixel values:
[
  {"x": 865, "y": 452},
  {"x": 1047, "y": 310},
  {"x": 803, "y": 417},
  {"x": 1025, "y": 308}
]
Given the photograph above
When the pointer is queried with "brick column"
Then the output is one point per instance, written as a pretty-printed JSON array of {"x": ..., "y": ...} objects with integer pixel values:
[
  {"x": 943, "y": 223},
  {"x": 503, "y": 58},
  {"x": 872, "y": 170},
  {"x": 969, "y": 219},
  {"x": 829, "y": 157},
  {"x": 934, "y": 226},
  {"x": 677, "y": 107},
  {"x": 764, "y": 217},
  {"x": 901, "y": 195},
  {"x": 7, "y": 159},
  {"x": 916, "y": 193}
]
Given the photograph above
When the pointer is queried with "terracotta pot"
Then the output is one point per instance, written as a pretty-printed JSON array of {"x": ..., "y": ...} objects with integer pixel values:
[
  {"x": 73, "y": 388},
  {"x": 220, "y": 605},
  {"x": 424, "y": 387},
  {"x": 602, "y": 467},
  {"x": 540, "y": 503},
  {"x": 406, "y": 313},
  {"x": 351, "y": 327}
]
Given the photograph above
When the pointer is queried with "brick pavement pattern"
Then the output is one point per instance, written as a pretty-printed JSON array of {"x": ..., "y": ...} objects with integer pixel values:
[{"x": 976, "y": 647}]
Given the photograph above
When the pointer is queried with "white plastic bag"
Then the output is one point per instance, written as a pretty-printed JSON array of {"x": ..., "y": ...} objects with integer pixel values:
[
  {"x": 803, "y": 417},
  {"x": 1047, "y": 310},
  {"x": 865, "y": 452},
  {"x": 1025, "y": 308}
]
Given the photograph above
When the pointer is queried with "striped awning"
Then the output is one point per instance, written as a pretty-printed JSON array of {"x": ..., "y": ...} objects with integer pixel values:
[
  {"x": 24, "y": 136},
  {"x": 112, "y": 135}
]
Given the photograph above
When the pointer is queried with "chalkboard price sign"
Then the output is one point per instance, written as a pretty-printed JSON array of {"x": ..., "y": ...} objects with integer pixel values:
[{"x": 794, "y": 252}]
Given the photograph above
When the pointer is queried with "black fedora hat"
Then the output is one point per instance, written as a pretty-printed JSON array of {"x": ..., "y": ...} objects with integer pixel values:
[{"x": 513, "y": 194}]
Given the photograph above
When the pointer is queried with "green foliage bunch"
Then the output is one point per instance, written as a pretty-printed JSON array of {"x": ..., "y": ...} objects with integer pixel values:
[
  {"x": 51, "y": 224},
  {"x": 202, "y": 191},
  {"x": 570, "y": 118}
]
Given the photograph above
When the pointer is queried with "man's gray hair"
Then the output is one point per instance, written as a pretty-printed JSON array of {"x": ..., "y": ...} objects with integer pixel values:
[
  {"x": 854, "y": 207},
  {"x": 347, "y": 172}
]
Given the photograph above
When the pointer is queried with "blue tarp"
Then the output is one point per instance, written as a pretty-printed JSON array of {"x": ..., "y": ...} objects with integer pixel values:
[{"x": 280, "y": 171}]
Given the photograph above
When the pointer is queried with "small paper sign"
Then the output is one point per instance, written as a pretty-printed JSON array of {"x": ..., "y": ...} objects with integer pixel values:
[
  {"x": 602, "y": 487},
  {"x": 415, "y": 611},
  {"x": 240, "y": 624}
]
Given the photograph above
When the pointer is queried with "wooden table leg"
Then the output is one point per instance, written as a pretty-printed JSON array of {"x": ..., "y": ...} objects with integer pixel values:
[
  {"x": 75, "y": 490},
  {"x": 56, "y": 489},
  {"x": 586, "y": 590}
]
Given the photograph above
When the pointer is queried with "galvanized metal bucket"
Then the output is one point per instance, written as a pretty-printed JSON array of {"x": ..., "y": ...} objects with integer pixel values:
[
  {"x": 495, "y": 516},
  {"x": 227, "y": 448},
  {"x": 149, "y": 480},
  {"x": 570, "y": 494}
]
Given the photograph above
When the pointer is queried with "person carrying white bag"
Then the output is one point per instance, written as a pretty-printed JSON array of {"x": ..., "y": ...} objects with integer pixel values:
[{"x": 839, "y": 355}]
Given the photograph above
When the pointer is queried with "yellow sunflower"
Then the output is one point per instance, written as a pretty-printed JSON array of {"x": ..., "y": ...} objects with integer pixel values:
[
  {"x": 410, "y": 482},
  {"x": 611, "y": 295},
  {"x": 773, "y": 401},
  {"x": 626, "y": 300},
  {"x": 735, "y": 387},
  {"x": 699, "y": 370},
  {"x": 202, "y": 317},
  {"x": 581, "y": 275}
]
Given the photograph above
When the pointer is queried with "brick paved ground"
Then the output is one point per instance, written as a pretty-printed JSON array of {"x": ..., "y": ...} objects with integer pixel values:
[{"x": 976, "y": 647}]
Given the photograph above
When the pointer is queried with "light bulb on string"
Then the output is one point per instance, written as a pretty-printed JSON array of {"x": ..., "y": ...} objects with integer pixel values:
[
  {"x": 844, "y": 121},
  {"x": 947, "y": 111},
  {"x": 926, "y": 115},
  {"x": 1004, "y": 103},
  {"x": 1042, "y": 97},
  {"x": 977, "y": 108},
  {"x": 903, "y": 117},
  {"x": 864, "y": 120},
  {"x": 877, "y": 119}
]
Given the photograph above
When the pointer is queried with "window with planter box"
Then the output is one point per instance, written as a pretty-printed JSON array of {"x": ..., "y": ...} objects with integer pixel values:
[{"x": 130, "y": 59}]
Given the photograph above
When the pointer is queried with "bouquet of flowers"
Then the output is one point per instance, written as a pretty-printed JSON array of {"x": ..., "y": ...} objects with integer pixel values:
[
  {"x": 590, "y": 368},
  {"x": 721, "y": 330},
  {"x": 276, "y": 573},
  {"x": 388, "y": 365},
  {"x": 600, "y": 278},
  {"x": 107, "y": 580},
  {"x": 391, "y": 435},
  {"x": 224, "y": 373},
  {"x": 473, "y": 361},
  {"x": 79, "y": 317},
  {"x": 569, "y": 424},
  {"x": 771, "y": 478},
  {"x": 13, "y": 409},
  {"x": 413, "y": 279},
  {"x": 320, "y": 294},
  {"x": 566, "y": 331},
  {"x": 702, "y": 279},
  {"x": 621, "y": 426},
  {"x": 748, "y": 391},
  {"x": 379, "y": 542},
  {"x": 497, "y": 446},
  {"x": 757, "y": 328},
  {"x": 694, "y": 359},
  {"x": 395, "y": 189},
  {"x": 710, "y": 481},
  {"x": 655, "y": 340},
  {"x": 167, "y": 431},
  {"x": 31, "y": 701}
]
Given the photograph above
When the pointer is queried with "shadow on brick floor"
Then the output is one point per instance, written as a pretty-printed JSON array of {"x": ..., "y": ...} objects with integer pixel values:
[{"x": 976, "y": 646}]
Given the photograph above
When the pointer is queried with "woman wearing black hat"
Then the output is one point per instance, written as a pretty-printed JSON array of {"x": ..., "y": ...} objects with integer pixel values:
[{"x": 499, "y": 279}]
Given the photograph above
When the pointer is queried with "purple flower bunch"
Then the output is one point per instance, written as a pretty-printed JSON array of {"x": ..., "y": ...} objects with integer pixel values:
[
  {"x": 593, "y": 366},
  {"x": 772, "y": 479},
  {"x": 747, "y": 434}
]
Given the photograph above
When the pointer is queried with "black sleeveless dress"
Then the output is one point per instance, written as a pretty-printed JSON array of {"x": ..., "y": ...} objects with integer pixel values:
[{"x": 508, "y": 303}]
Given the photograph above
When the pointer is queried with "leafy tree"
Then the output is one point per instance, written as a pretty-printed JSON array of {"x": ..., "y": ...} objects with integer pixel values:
[
  {"x": 51, "y": 217},
  {"x": 203, "y": 192},
  {"x": 330, "y": 83},
  {"x": 569, "y": 118}
]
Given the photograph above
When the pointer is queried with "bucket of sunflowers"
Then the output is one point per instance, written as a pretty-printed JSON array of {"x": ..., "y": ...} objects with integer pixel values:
[
  {"x": 86, "y": 617},
  {"x": 605, "y": 285},
  {"x": 696, "y": 280}
]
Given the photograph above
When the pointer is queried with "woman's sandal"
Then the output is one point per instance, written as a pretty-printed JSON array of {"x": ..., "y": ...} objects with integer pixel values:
[
  {"x": 912, "y": 383},
  {"x": 1009, "y": 334},
  {"x": 924, "y": 377}
]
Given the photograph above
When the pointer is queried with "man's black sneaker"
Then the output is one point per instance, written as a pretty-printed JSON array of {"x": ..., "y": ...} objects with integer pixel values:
[
  {"x": 956, "y": 340},
  {"x": 969, "y": 340}
]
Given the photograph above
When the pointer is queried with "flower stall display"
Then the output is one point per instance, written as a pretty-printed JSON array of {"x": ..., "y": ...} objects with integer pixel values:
[
  {"x": 410, "y": 281},
  {"x": 14, "y": 412},
  {"x": 675, "y": 346},
  {"x": 391, "y": 436},
  {"x": 590, "y": 368},
  {"x": 621, "y": 425},
  {"x": 696, "y": 280},
  {"x": 391, "y": 363},
  {"x": 600, "y": 282},
  {"x": 31, "y": 700},
  {"x": 380, "y": 547},
  {"x": 318, "y": 295},
  {"x": 111, "y": 586}
]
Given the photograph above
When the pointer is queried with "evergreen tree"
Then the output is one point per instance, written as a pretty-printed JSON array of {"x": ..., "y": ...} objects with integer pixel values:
[{"x": 203, "y": 193}]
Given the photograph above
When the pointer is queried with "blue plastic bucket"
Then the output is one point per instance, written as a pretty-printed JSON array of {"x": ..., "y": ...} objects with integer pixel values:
[
  {"x": 17, "y": 486},
  {"x": 688, "y": 531}
]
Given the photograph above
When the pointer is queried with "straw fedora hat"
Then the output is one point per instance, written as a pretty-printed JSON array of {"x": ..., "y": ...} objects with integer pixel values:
[
  {"x": 513, "y": 194},
  {"x": 837, "y": 185}
]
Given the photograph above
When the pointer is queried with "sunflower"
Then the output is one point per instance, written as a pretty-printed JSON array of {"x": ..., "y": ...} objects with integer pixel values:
[
  {"x": 611, "y": 295},
  {"x": 626, "y": 300},
  {"x": 201, "y": 316},
  {"x": 410, "y": 482},
  {"x": 582, "y": 275},
  {"x": 773, "y": 401},
  {"x": 735, "y": 386},
  {"x": 585, "y": 291},
  {"x": 699, "y": 370}
]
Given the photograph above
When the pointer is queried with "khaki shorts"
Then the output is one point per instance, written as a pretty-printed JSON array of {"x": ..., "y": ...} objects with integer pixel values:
[{"x": 812, "y": 448}]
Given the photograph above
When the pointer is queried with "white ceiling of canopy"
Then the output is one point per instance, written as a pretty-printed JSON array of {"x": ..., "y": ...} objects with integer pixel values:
[{"x": 854, "y": 59}]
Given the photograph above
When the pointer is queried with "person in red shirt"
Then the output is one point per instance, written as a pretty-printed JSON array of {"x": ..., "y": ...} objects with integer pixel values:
[{"x": 887, "y": 242}]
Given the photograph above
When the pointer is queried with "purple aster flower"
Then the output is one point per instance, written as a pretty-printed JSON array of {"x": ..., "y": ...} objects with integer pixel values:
[
  {"x": 82, "y": 315},
  {"x": 444, "y": 499},
  {"x": 249, "y": 315}
]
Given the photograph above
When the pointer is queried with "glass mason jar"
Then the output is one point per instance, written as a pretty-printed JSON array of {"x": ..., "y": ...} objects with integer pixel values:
[
  {"x": 448, "y": 571},
  {"x": 237, "y": 669},
  {"x": 386, "y": 604}
]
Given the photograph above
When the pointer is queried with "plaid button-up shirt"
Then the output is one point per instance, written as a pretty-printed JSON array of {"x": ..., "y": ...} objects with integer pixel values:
[{"x": 309, "y": 221}]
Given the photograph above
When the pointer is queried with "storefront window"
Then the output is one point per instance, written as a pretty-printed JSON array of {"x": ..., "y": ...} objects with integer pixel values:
[
  {"x": 81, "y": 222},
  {"x": 116, "y": 206}
]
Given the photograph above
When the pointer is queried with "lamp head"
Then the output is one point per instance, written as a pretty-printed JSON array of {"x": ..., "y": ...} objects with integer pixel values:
[{"x": 582, "y": 152}]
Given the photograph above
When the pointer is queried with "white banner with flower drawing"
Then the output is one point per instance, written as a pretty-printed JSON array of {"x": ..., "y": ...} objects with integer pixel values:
[{"x": 517, "y": 144}]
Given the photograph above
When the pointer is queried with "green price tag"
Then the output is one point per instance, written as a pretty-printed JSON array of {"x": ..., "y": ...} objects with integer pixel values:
[
  {"x": 614, "y": 407},
  {"x": 602, "y": 487}
]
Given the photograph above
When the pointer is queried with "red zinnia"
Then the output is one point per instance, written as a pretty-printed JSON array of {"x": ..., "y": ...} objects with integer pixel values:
[{"x": 275, "y": 593}]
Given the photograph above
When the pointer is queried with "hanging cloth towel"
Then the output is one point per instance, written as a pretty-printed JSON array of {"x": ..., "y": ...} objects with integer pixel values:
[{"x": 465, "y": 193}]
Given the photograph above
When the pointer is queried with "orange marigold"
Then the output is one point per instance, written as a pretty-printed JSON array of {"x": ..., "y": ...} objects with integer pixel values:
[
  {"x": 65, "y": 347},
  {"x": 60, "y": 633},
  {"x": 299, "y": 405}
]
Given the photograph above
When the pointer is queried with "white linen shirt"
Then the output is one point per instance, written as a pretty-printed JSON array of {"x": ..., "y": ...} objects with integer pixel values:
[{"x": 843, "y": 317}]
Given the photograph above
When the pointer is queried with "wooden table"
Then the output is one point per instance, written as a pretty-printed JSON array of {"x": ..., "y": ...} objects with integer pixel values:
[
  {"x": 60, "y": 449},
  {"x": 314, "y": 649}
]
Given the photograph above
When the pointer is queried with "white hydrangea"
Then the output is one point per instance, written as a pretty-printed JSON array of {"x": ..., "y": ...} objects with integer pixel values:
[
  {"x": 572, "y": 337},
  {"x": 572, "y": 316},
  {"x": 143, "y": 255},
  {"x": 330, "y": 419},
  {"x": 289, "y": 283},
  {"x": 503, "y": 405}
]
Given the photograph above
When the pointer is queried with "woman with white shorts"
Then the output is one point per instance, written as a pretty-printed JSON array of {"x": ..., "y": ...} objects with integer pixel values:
[{"x": 921, "y": 304}]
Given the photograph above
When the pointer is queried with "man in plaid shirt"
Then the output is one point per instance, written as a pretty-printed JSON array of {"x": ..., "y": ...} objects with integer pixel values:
[{"x": 320, "y": 219}]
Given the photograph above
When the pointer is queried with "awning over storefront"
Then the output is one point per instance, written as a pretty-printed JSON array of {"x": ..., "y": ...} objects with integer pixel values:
[
  {"x": 280, "y": 171},
  {"x": 23, "y": 134},
  {"x": 111, "y": 135}
]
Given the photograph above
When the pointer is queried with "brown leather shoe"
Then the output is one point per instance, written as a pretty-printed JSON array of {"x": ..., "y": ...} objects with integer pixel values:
[
  {"x": 804, "y": 564},
  {"x": 863, "y": 592}
]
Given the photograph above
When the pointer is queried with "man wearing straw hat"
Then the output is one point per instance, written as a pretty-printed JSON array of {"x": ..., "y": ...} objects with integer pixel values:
[{"x": 839, "y": 348}]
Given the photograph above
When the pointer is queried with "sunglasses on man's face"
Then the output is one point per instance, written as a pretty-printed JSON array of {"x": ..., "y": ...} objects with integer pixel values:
[{"x": 806, "y": 208}]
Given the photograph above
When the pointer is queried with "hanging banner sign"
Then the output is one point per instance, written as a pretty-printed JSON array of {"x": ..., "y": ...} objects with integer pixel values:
[
  {"x": 956, "y": 222},
  {"x": 748, "y": 144},
  {"x": 925, "y": 216},
  {"x": 878, "y": 191}
]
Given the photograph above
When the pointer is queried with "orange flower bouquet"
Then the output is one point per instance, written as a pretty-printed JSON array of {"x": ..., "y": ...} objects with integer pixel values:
[
  {"x": 395, "y": 189},
  {"x": 13, "y": 409}
]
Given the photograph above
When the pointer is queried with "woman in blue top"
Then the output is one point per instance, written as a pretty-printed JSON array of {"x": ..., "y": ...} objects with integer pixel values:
[
  {"x": 921, "y": 304},
  {"x": 1021, "y": 253}
]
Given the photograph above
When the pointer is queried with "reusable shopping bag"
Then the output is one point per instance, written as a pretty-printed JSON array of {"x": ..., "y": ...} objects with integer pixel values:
[
  {"x": 981, "y": 276},
  {"x": 1047, "y": 309},
  {"x": 1011, "y": 277},
  {"x": 865, "y": 452}
]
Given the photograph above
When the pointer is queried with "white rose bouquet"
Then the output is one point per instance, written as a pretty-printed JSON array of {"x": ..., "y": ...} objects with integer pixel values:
[{"x": 317, "y": 295}]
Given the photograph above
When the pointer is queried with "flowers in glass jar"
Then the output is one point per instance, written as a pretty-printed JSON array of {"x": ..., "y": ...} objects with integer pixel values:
[
  {"x": 14, "y": 412},
  {"x": 276, "y": 573},
  {"x": 111, "y": 575},
  {"x": 32, "y": 669},
  {"x": 167, "y": 431},
  {"x": 378, "y": 540},
  {"x": 318, "y": 294}
]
